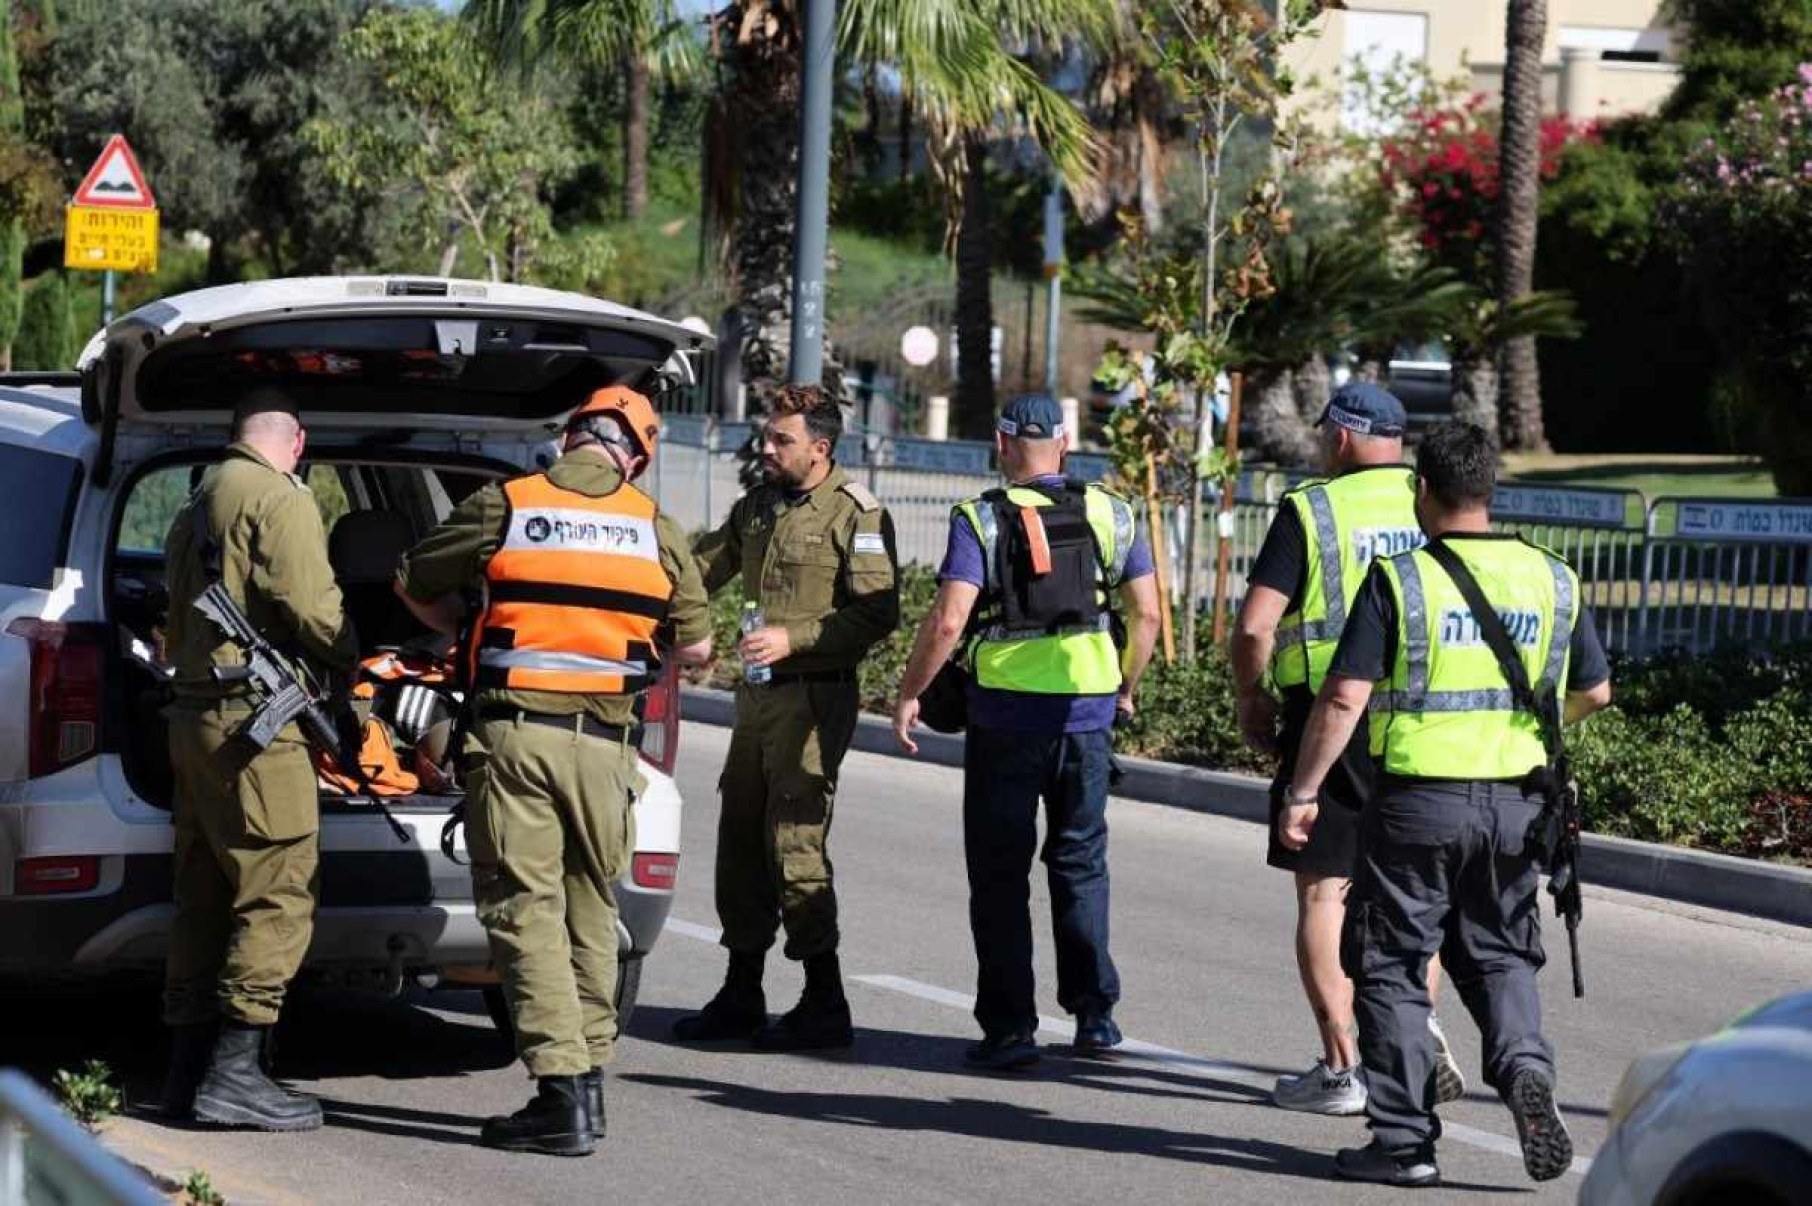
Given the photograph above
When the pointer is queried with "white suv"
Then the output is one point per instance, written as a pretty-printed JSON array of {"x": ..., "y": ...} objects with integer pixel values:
[{"x": 414, "y": 392}]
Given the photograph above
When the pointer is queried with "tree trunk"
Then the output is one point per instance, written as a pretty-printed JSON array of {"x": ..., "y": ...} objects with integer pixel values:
[
  {"x": 872, "y": 147},
  {"x": 635, "y": 135},
  {"x": 1475, "y": 393},
  {"x": 1519, "y": 170},
  {"x": 1279, "y": 433},
  {"x": 758, "y": 119},
  {"x": 974, "y": 300},
  {"x": 1313, "y": 385},
  {"x": 905, "y": 137},
  {"x": 449, "y": 256}
]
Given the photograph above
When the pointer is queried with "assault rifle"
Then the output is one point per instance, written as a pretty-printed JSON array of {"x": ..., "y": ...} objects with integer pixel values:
[
  {"x": 1554, "y": 836},
  {"x": 285, "y": 697}
]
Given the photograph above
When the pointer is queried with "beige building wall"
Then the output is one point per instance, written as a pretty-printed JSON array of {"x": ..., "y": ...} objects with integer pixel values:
[{"x": 1466, "y": 38}]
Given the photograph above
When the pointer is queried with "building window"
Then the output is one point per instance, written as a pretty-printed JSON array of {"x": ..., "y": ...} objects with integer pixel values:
[
  {"x": 1618, "y": 44},
  {"x": 1378, "y": 43}
]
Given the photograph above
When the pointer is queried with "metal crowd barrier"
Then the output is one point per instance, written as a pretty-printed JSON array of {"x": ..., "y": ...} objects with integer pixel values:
[
  {"x": 1691, "y": 573},
  {"x": 1726, "y": 571},
  {"x": 46, "y": 1158},
  {"x": 1601, "y": 533}
]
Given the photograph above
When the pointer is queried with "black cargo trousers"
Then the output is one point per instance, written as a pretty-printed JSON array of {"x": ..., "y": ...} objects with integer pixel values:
[{"x": 1443, "y": 868}]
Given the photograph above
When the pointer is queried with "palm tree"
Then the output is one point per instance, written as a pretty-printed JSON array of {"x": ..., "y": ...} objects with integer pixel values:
[
  {"x": 1479, "y": 329},
  {"x": 638, "y": 39},
  {"x": 1519, "y": 171},
  {"x": 956, "y": 63}
]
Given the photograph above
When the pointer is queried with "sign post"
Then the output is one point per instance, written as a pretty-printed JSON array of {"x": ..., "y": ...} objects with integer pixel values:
[{"x": 110, "y": 224}]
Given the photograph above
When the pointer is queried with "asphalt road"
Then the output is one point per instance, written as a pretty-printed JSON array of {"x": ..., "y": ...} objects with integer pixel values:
[{"x": 1211, "y": 1000}]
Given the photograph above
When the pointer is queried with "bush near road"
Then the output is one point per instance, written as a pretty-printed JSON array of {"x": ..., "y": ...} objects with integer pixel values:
[{"x": 1713, "y": 752}]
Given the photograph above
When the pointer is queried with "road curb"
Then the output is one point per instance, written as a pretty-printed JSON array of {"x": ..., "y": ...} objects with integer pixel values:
[{"x": 1716, "y": 881}]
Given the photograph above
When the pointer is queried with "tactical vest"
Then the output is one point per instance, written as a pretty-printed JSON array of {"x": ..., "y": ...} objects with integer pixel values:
[
  {"x": 1050, "y": 556},
  {"x": 1346, "y": 523},
  {"x": 1445, "y": 711},
  {"x": 574, "y": 593}
]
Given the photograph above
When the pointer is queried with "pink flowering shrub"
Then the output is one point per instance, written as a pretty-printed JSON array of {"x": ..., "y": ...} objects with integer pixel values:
[{"x": 1742, "y": 223}]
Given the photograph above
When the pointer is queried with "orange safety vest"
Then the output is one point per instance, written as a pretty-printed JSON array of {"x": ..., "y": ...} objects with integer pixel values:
[{"x": 574, "y": 594}]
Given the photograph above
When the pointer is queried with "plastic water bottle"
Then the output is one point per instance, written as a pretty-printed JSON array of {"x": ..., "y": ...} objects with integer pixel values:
[{"x": 753, "y": 618}]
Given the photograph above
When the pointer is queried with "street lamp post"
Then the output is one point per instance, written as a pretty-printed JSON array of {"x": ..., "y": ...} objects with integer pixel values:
[{"x": 805, "y": 362}]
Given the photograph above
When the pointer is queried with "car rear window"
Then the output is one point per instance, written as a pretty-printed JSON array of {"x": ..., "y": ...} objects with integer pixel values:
[{"x": 37, "y": 502}]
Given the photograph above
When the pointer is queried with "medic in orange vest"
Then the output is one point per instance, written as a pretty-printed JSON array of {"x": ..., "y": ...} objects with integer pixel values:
[{"x": 545, "y": 626}]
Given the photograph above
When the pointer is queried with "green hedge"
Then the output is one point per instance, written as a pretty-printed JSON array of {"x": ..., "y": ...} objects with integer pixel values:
[{"x": 1712, "y": 751}]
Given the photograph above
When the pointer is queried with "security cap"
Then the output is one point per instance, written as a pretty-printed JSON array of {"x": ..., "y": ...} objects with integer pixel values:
[
  {"x": 1365, "y": 409},
  {"x": 632, "y": 410},
  {"x": 1031, "y": 417}
]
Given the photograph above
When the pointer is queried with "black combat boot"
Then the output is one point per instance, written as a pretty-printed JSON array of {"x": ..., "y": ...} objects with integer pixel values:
[
  {"x": 821, "y": 1019},
  {"x": 593, "y": 1084},
  {"x": 191, "y": 1045},
  {"x": 236, "y": 1091},
  {"x": 738, "y": 1010},
  {"x": 554, "y": 1122}
]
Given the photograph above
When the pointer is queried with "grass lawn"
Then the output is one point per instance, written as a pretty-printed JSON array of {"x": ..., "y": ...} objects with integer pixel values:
[{"x": 1656, "y": 475}]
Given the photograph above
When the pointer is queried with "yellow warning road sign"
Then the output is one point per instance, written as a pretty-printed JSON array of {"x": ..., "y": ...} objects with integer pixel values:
[{"x": 122, "y": 239}]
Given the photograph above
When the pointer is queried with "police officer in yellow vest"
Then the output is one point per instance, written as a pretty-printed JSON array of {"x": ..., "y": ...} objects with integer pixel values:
[
  {"x": 815, "y": 549},
  {"x": 582, "y": 579},
  {"x": 1027, "y": 588},
  {"x": 1299, "y": 591},
  {"x": 1444, "y": 861}
]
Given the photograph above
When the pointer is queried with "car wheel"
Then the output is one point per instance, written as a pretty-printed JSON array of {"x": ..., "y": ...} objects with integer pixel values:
[
  {"x": 629, "y": 987},
  {"x": 1754, "y": 1168}
]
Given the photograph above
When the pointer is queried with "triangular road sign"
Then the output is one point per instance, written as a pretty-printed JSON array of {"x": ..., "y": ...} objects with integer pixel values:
[{"x": 115, "y": 180}]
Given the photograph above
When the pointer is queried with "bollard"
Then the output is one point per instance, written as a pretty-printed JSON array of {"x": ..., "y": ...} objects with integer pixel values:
[
  {"x": 1072, "y": 421},
  {"x": 937, "y": 418}
]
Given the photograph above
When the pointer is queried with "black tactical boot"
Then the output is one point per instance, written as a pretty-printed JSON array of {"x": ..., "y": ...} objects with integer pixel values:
[
  {"x": 821, "y": 1019},
  {"x": 738, "y": 1010},
  {"x": 236, "y": 1092},
  {"x": 593, "y": 1084},
  {"x": 554, "y": 1122},
  {"x": 191, "y": 1046}
]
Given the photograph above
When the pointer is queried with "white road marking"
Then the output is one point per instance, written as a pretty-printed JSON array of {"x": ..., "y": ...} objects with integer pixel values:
[{"x": 1253, "y": 1078}]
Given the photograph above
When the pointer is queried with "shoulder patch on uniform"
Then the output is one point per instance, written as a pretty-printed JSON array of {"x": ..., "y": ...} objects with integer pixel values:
[
  {"x": 859, "y": 492},
  {"x": 870, "y": 542}
]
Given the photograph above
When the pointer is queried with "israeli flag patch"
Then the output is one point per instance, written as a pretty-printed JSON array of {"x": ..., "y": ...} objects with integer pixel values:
[{"x": 870, "y": 542}]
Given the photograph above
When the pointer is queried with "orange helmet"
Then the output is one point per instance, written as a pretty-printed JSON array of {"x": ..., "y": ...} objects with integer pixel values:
[{"x": 632, "y": 410}]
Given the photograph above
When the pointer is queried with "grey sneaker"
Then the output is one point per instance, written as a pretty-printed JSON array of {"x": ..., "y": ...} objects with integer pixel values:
[
  {"x": 1449, "y": 1081},
  {"x": 1547, "y": 1147},
  {"x": 1407, "y": 1170},
  {"x": 1321, "y": 1090}
]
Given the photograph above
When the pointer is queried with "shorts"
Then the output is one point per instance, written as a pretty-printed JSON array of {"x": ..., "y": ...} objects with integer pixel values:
[{"x": 1333, "y": 847}]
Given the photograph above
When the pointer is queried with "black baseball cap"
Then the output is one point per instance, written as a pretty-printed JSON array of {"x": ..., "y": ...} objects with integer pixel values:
[{"x": 1365, "y": 409}]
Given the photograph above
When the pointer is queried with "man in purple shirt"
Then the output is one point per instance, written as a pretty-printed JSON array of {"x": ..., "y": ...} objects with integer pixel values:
[{"x": 1026, "y": 589}]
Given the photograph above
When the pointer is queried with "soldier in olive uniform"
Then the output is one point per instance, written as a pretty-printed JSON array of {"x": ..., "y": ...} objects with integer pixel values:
[
  {"x": 247, "y": 822},
  {"x": 816, "y": 550},
  {"x": 582, "y": 576}
]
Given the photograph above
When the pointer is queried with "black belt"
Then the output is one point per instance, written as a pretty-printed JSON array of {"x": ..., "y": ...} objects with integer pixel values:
[
  {"x": 812, "y": 676},
  {"x": 578, "y": 721}
]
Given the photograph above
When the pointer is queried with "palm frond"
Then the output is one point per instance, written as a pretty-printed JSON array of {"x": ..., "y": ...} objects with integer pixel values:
[{"x": 955, "y": 59}]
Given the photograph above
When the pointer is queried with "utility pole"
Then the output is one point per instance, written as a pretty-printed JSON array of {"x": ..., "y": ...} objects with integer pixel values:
[
  {"x": 811, "y": 226},
  {"x": 1053, "y": 273}
]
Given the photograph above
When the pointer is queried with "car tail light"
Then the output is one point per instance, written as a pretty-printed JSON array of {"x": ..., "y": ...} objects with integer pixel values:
[
  {"x": 658, "y": 871},
  {"x": 62, "y": 873},
  {"x": 660, "y": 721},
  {"x": 65, "y": 708}
]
